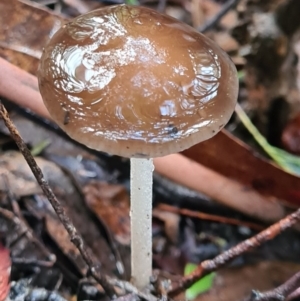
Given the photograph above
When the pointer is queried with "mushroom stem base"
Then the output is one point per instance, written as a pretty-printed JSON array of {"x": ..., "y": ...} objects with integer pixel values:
[{"x": 141, "y": 221}]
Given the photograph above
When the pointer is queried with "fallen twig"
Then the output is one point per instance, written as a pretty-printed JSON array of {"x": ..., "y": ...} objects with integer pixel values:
[
  {"x": 34, "y": 262},
  {"x": 294, "y": 295},
  {"x": 209, "y": 217},
  {"x": 280, "y": 293},
  {"x": 74, "y": 236},
  {"x": 216, "y": 19},
  {"x": 219, "y": 261}
]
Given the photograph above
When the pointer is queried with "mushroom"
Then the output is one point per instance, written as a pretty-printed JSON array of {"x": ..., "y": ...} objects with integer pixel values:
[{"x": 132, "y": 82}]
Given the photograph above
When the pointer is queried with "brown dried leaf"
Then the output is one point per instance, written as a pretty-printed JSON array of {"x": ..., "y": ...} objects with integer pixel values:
[
  {"x": 171, "y": 222},
  {"x": 27, "y": 26},
  {"x": 233, "y": 158},
  {"x": 225, "y": 41},
  {"x": 26, "y": 31},
  {"x": 59, "y": 234},
  {"x": 20, "y": 180},
  {"x": 95, "y": 244},
  {"x": 111, "y": 204},
  {"x": 22, "y": 60}
]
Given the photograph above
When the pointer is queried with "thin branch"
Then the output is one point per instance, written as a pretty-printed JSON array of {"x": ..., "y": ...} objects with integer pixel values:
[
  {"x": 208, "y": 266},
  {"x": 209, "y": 217},
  {"x": 33, "y": 262},
  {"x": 280, "y": 293},
  {"x": 216, "y": 19},
  {"x": 74, "y": 235},
  {"x": 294, "y": 295}
]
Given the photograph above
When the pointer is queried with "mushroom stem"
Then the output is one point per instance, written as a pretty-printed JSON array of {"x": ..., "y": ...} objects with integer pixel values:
[{"x": 141, "y": 221}]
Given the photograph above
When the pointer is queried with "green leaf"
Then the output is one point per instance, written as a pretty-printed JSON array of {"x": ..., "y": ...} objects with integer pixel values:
[
  {"x": 201, "y": 286},
  {"x": 241, "y": 75},
  {"x": 38, "y": 148},
  {"x": 285, "y": 160},
  {"x": 131, "y": 2}
]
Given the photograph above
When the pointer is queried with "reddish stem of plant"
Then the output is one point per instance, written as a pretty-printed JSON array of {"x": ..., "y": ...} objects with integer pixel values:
[
  {"x": 5, "y": 266},
  {"x": 210, "y": 217}
]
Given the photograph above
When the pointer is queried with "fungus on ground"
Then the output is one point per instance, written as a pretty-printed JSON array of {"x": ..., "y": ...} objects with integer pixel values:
[{"x": 135, "y": 83}]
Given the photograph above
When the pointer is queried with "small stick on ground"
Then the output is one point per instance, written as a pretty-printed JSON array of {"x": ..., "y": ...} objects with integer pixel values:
[
  {"x": 74, "y": 236},
  {"x": 280, "y": 293},
  {"x": 33, "y": 262},
  {"x": 219, "y": 261},
  {"x": 216, "y": 19},
  {"x": 209, "y": 217},
  {"x": 294, "y": 295}
]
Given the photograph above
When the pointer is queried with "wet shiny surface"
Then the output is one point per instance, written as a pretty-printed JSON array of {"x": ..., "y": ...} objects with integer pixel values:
[{"x": 132, "y": 82}]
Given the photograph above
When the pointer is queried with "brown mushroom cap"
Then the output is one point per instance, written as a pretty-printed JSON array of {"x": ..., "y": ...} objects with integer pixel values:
[{"x": 132, "y": 82}]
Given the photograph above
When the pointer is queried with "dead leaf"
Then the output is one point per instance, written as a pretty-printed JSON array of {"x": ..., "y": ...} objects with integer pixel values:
[
  {"x": 27, "y": 27},
  {"x": 233, "y": 158},
  {"x": 220, "y": 188},
  {"x": 111, "y": 204},
  {"x": 225, "y": 41},
  {"x": 171, "y": 221},
  {"x": 61, "y": 237},
  {"x": 20, "y": 180}
]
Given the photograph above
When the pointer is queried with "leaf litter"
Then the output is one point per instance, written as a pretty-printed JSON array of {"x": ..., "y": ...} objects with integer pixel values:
[{"x": 97, "y": 197}]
